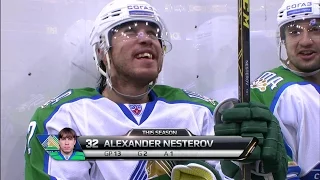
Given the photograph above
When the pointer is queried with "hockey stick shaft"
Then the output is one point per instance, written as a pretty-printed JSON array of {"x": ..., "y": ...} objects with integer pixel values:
[
  {"x": 244, "y": 62},
  {"x": 244, "y": 51}
]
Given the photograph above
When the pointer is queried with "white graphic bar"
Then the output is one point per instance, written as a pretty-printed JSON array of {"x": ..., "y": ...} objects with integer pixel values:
[{"x": 163, "y": 154}]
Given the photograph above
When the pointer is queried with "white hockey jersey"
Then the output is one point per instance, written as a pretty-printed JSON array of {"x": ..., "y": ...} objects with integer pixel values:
[
  {"x": 296, "y": 104},
  {"x": 89, "y": 113}
]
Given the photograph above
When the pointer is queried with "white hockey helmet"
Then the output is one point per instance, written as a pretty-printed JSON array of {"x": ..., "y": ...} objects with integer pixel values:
[
  {"x": 291, "y": 11},
  {"x": 118, "y": 12}
]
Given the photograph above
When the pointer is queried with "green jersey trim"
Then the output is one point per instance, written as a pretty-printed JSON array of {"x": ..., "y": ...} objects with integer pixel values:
[
  {"x": 172, "y": 95},
  {"x": 75, "y": 156}
]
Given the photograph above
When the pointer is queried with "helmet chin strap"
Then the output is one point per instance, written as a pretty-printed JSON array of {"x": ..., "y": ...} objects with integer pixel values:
[
  {"x": 299, "y": 73},
  {"x": 109, "y": 84},
  {"x": 140, "y": 96}
]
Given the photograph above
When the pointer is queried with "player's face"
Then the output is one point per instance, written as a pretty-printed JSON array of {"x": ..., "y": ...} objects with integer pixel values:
[
  {"x": 303, "y": 44},
  {"x": 67, "y": 144},
  {"x": 136, "y": 53}
]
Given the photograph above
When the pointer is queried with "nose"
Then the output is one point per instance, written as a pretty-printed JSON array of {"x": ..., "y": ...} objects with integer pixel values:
[
  {"x": 144, "y": 38},
  {"x": 306, "y": 39}
]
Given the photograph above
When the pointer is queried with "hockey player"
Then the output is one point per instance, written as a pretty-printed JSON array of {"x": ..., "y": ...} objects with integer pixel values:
[
  {"x": 67, "y": 141},
  {"x": 292, "y": 90},
  {"x": 129, "y": 40}
]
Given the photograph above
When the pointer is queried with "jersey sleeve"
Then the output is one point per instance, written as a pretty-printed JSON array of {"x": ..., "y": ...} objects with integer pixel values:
[
  {"x": 286, "y": 107},
  {"x": 35, "y": 167}
]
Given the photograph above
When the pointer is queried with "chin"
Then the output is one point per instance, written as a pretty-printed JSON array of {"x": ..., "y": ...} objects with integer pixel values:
[
  {"x": 147, "y": 78},
  {"x": 147, "y": 73},
  {"x": 308, "y": 67}
]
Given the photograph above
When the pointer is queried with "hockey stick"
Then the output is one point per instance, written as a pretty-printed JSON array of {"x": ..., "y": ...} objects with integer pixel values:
[{"x": 244, "y": 62}]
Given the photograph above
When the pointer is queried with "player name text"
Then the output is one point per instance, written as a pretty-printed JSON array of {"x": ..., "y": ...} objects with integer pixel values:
[{"x": 158, "y": 143}]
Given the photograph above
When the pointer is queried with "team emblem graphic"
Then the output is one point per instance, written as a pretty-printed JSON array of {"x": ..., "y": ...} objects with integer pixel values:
[
  {"x": 136, "y": 109},
  {"x": 51, "y": 143},
  {"x": 266, "y": 79},
  {"x": 260, "y": 84}
]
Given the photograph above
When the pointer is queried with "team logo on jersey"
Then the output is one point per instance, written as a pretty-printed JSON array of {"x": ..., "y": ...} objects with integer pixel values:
[
  {"x": 266, "y": 79},
  {"x": 136, "y": 109},
  {"x": 260, "y": 84}
]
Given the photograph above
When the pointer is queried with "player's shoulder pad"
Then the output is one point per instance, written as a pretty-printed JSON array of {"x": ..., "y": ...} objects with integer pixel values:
[
  {"x": 71, "y": 95},
  {"x": 274, "y": 79},
  {"x": 177, "y": 95}
]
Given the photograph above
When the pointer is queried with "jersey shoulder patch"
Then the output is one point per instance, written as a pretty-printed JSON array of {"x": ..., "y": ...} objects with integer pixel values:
[
  {"x": 71, "y": 95},
  {"x": 272, "y": 80},
  {"x": 172, "y": 94}
]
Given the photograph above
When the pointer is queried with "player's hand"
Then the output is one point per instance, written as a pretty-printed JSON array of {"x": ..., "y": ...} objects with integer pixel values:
[
  {"x": 255, "y": 120},
  {"x": 194, "y": 170}
]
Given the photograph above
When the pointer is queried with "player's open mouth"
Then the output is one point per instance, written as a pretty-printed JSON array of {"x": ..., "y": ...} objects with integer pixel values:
[
  {"x": 144, "y": 55},
  {"x": 307, "y": 54}
]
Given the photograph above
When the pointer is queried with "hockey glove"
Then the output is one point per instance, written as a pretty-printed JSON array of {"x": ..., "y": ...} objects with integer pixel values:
[
  {"x": 190, "y": 170},
  {"x": 255, "y": 120},
  {"x": 194, "y": 170}
]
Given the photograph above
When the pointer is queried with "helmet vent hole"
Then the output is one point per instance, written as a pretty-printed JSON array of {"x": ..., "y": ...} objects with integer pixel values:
[
  {"x": 115, "y": 14},
  {"x": 116, "y": 11},
  {"x": 105, "y": 18}
]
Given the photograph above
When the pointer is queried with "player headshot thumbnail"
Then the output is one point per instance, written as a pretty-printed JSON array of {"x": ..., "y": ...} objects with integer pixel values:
[{"x": 67, "y": 141}]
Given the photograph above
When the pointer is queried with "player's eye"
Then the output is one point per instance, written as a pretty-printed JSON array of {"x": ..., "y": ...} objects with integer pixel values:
[
  {"x": 129, "y": 30},
  {"x": 314, "y": 29},
  {"x": 294, "y": 32}
]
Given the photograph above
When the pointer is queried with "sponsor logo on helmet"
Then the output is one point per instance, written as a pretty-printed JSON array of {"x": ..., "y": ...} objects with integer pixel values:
[
  {"x": 140, "y": 7},
  {"x": 299, "y": 5}
]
